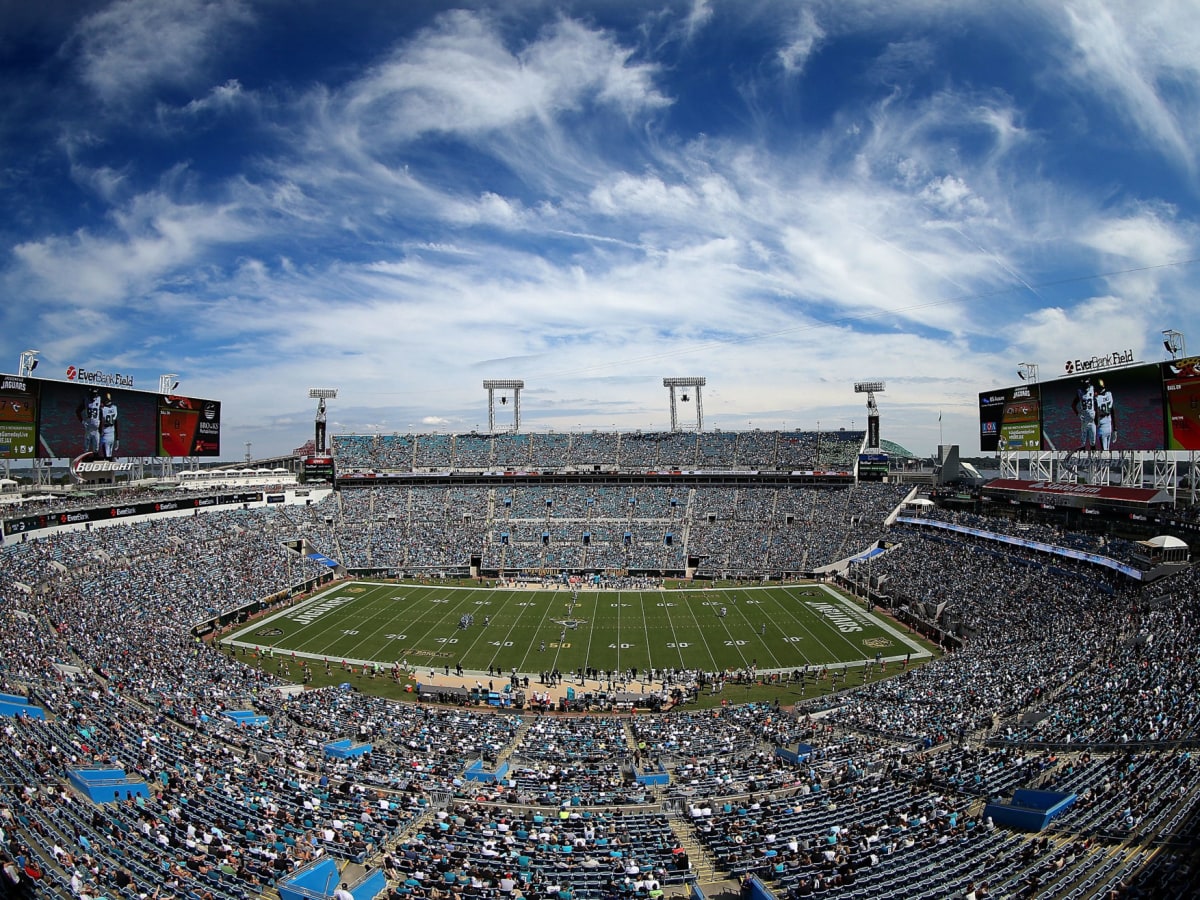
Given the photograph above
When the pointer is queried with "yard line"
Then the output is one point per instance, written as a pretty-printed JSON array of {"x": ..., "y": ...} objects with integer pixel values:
[
  {"x": 804, "y": 624},
  {"x": 620, "y": 606},
  {"x": 714, "y": 660},
  {"x": 740, "y": 607},
  {"x": 587, "y": 652},
  {"x": 733, "y": 641},
  {"x": 398, "y": 603},
  {"x": 462, "y": 650},
  {"x": 541, "y": 625},
  {"x": 667, "y": 607},
  {"x": 509, "y": 601}
]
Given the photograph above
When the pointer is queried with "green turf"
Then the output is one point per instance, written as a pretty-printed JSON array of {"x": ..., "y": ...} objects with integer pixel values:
[{"x": 778, "y": 628}]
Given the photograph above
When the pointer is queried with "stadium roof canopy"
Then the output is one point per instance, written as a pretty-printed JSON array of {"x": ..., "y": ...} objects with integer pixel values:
[
  {"x": 1060, "y": 493},
  {"x": 894, "y": 449}
]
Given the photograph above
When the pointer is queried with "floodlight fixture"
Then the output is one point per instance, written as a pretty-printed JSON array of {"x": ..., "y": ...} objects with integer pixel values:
[
  {"x": 504, "y": 384},
  {"x": 1174, "y": 343},
  {"x": 1028, "y": 371},
  {"x": 167, "y": 384},
  {"x": 696, "y": 384},
  {"x": 322, "y": 393},
  {"x": 28, "y": 362}
]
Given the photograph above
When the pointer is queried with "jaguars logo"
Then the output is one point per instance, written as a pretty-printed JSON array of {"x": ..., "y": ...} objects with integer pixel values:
[
  {"x": 356, "y": 590},
  {"x": 269, "y": 632},
  {"x": 876, "y": 643}
]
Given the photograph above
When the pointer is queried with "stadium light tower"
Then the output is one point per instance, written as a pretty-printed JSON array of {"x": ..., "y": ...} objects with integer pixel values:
[
  {"x": 870, "y": 388},
  {"x": 1028, "y": 371},
  {"x": 1173, "y": 341},
  {"x": 321, "y": 395},
  {"x": 167, "y": 384},
  {"x": 504, "y": 384},
  {"x": 697, "y": 384},
  {"x": 28, "y": 362}
]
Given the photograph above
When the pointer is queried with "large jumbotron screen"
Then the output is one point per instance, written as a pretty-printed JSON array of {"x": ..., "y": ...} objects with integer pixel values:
[
  {"x": 66, "y": 420},
  {"x": 1110, "y": 409}
]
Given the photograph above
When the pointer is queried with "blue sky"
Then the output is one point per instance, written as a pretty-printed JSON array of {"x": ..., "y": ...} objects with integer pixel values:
[{"x": 401, "y": 200}]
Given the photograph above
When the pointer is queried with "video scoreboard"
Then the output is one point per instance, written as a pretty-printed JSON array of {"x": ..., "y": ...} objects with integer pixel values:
[
  {"x": 1152, "y": 406},
  {"x": 317, "y": 468},
  {"x": 44, "y": 419}
]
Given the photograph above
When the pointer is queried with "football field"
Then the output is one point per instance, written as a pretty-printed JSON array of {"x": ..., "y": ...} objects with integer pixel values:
[{"x": 780, "y": 628}]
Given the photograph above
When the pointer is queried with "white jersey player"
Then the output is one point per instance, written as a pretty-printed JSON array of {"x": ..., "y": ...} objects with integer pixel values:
[
  {"x": 1084, "y": 406},
  {"x": 1106, "y": 416},
  {"x": 108, "y": 428}
]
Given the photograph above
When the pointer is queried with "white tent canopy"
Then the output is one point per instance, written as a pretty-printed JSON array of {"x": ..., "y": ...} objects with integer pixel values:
[{"x": 1165, "y": 542}]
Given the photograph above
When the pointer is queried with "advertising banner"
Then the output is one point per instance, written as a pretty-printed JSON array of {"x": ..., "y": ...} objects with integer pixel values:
[
  {"x": 1010, "y": 419},
  {"x": 18, "y": 417},
  {"x": 188, "y": 427},
  {"x": 1181, "y": 381}
]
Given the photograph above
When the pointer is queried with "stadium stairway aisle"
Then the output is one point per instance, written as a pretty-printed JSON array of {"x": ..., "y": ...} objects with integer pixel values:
[
  {"x": 630, "y": 738},
  {"x": 729, "y": 889},
  {"x": 518, "y": 737},
  {"x": 703, "y": 863}
]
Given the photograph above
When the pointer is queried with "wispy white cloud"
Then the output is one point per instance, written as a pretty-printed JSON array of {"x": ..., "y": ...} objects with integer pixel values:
[
  {"x": 698, "y": 17},
  {"x": 220, "y": 101},
  {"x": 133, "y": 47},
  {"x": 1140, "y": 59},
  {"x": 152, "y": 238},
  {"x": 800, "y": 41},
  {"x": 1146, "y": 236},
  {"x": 459, "y": 77}
]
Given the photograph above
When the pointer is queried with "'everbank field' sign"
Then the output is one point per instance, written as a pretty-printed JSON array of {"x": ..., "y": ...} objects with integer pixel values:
[
  {"x": 98, "y": 378},
  {"x": 1083, "y": 366}
]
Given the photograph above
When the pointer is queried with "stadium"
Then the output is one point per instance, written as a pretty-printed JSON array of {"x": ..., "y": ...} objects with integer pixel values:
[{"x": 592, "y": 665}]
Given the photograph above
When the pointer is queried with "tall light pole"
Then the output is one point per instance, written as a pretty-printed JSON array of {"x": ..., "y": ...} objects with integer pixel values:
[
  {"x": 870, "y": 388},
  {"x": 321, "y": 395}
]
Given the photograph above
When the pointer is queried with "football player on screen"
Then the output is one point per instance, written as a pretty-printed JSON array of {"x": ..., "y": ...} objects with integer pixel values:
[
  {"x": 1106, "y": 416},
  {"x": 109, "y": 435},
  {"x": 1084, "y": 406},
  {"x": 88, "y": 413}
]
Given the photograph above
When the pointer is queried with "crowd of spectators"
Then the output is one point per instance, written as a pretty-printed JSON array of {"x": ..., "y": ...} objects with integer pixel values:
[
  {"x": 1068, "y": 678},
  {"x": 754, "y": 450},
  {"x": 1053, "y": 534},
  {"x": 745, "y": 531}
]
